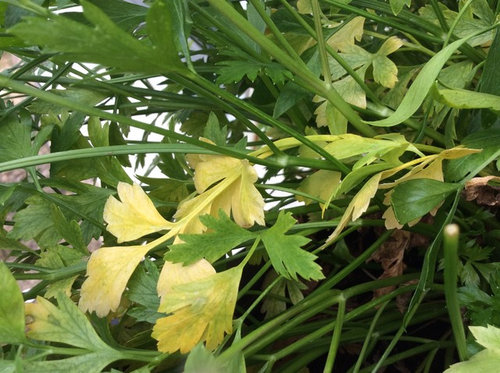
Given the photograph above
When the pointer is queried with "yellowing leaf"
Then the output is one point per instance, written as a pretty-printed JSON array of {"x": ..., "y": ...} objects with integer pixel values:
[
  {"x": 320, "y": 184},
  {"x": 108, "y": 272},
  {"x": 348, "y": 33},
  {"x": 385, "y": 71},
  {"x": 173, "y": 274},
  {"x": 358, "y": 205},
  {"x": 237, "y": 192},
  {"x": 390, "y": 45},
  {"x": 210, "y": 169},
  {"x": 133, "y": 217},
  {"x": 200, "y": 310},
  {"x": 304, "y": 6}
]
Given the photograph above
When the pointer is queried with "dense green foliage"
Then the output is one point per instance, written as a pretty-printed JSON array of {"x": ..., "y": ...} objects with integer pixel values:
[{"x": 319, "y": 186}]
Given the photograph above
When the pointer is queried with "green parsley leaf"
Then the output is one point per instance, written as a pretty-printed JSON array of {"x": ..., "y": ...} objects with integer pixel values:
[
  {"x": 285, "y": 251},
  {"x": 223, "y": 235}
]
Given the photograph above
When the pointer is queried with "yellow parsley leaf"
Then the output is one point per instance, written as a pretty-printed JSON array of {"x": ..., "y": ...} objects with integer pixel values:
[
  {"x": 235, "y": 192},
  {"x": 385, "y": 71},
  {"x": 347, "y": 34},
  {"x": 304, "y": 6},
  {"x": 200, "y": 310},
  {"x": 320, "y": 184},
  {"x": 133, "y": 217},
  {"x": 173, "y": 274},
  {"x": 358, "y": 205},
  {"x": 108, "y": 271}
]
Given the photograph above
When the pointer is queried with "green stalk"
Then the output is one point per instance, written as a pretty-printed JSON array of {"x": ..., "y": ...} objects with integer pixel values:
[
  {"x": 386, "y": 20},
  {"x": 283, "y": 127},
  {"x": 424, "y": 284},
  {"x": 334, "y": 280},
  {"x": 325, "y": 66},
  {"x": 369, "y": 93},
  {"x": 314, "y": 304},
  {"x": 406, "y": 354},
  {"x": 455, "y": 22},
  {"x": 450, "y": 246},
  {"x": 274, "y": 29},
  {"x": 368, "y": 338},
  {"x": 440, "y": 16},
  {"x": 304, "y": 77},
  {"x": 334, "y": 346}
]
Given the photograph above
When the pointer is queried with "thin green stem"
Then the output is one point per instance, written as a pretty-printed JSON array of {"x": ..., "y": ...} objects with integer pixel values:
[
  {"x": 292, "y": 132},
  {"x": 369, "y": 92},
  {"x": 368, "y": 338},
  {"x": 332, "y": 281},
  {"x": 424, "y": 284},
  {"x": 325, "y": 66},
  {"x": 304, "y": 76},
  {"x": 261, "y": 296},
  {"x": 439, "y": 15},
  {"x": 274, "y": 29},
  {"x": 455, "y": 21},
  {"x": 450, "y": 237},
  {"x": 334, "y": 345}
]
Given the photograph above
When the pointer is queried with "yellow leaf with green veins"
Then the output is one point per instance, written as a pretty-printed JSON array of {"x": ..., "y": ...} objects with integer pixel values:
[
  {"x": 200, "y": 310},
  {"x": 133, "y": 217},
  {"x": 108, "y": 272}
]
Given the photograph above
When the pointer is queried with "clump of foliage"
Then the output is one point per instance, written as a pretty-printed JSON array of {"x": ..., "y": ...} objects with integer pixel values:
[{"x": 307, "y": 161}]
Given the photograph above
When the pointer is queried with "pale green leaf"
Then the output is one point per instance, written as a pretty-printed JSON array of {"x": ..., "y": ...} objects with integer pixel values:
[
  {"x": 320, "y": 184},
  {"x": 465, "y": 99},
  {"x": 397, "y": 5},
  {"x": 420, "y": 87},
  {"x": 486, "y": 361},
  {"x": 488, "y": 337},
  {"x": 32, "y": 222},
  {"x": 88, "y": 363},
  {"x": 11, "y": 308},
  {"x": 347, "y": 34},
  {"x": 63, "y": 324},
  {"x": 357, "y": 206},
  {"x": 385, "y": 72},
  {"x": 200, "y": 360},
  {"x": 16, "y": 140}
]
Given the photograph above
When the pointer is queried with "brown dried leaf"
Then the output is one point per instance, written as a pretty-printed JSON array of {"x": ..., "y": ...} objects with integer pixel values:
[
  {"x": 479, "y": 189},
  {"x": 390, "y": 256}
]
